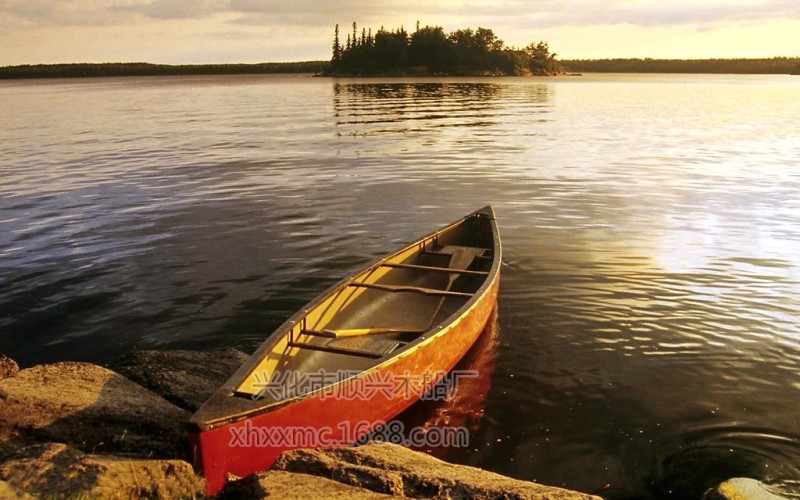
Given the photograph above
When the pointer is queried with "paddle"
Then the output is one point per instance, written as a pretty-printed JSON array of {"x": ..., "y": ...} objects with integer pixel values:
[{"x": 461, "y": 259}]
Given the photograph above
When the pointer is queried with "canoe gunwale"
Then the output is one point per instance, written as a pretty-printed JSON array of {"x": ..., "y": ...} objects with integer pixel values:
[{"x": 200, "y": 422}]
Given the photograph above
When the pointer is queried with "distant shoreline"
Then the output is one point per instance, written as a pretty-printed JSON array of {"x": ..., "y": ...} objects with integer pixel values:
[
  {"x": 774, "y": 66},
  {"x": 762, "y": 66},
  {"x": 99, "y": 70}
]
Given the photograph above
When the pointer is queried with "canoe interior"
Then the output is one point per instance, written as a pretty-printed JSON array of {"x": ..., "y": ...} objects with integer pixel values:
[{"x": 376, "y": 313}]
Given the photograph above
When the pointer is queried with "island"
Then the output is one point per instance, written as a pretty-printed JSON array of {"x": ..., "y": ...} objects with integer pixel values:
[{"x": 431, "y": 51}]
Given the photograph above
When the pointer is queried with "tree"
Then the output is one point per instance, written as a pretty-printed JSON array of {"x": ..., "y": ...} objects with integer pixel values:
[
  {"x": 337, "y": 48},
  {"x": 431, "y": 50},
  {"x": 541, "y": 60},
  {"x": 487, "y": 41},
  {"x": 391, "y": 49},
  {"x": 430, "y": 47}
]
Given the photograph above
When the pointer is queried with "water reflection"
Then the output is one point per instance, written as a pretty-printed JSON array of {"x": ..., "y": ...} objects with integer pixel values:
[
  {"x": 466, "y": 407},
  {"x": 364, "y": 109}
]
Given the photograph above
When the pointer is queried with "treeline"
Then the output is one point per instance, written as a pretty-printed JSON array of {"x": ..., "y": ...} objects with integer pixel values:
[
  {"x": 775, "y": 65},
  {"x": 430, "y": 50},
  {"x": 86, "y": 70}
]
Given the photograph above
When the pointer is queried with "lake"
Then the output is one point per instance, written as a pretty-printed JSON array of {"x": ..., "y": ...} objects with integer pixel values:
[{"x": 647, "y": 340}]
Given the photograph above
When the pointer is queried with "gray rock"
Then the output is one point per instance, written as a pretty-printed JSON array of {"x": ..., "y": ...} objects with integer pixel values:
[
  {"x": 293, "y": 486},
  {"x": 741, "y": 488},
  {"x": 91, "y": 408},
  {"x": 185, "y": 378},
  {"x": 394, "y": 470},
  {"x": 54, "y": 470},
  {"x": 8, "y": 367}
]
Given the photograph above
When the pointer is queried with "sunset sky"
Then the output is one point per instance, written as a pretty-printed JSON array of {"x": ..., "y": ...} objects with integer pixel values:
[{"x": 209, "y": 31}]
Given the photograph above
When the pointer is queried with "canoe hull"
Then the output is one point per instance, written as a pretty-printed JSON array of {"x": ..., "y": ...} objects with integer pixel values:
[{"x": 345, "y": 415}]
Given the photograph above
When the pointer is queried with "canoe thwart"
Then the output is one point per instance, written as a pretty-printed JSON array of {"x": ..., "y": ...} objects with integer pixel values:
[
  {"x": 435, "y": 269},
  {"x": 449, "y": 250},
  {"x": 413, "y": 289},
  {"x": 324, "y": 348}
]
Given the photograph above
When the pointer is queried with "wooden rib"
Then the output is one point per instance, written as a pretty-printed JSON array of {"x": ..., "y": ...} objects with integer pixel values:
[
  {"x": 414, "y": 289},
  {"x": 436, "y": 269},
  {"x": 348, "y": 352}
]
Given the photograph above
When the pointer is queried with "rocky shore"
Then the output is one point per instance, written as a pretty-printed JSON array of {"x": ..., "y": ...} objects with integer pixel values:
[{"x": 80, "y": 430}]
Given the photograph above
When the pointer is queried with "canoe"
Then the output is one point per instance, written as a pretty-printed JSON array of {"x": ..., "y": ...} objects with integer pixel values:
[{"x": 357, "y": 355}]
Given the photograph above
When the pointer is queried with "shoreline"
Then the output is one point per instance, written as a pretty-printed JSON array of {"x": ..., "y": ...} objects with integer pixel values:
[
  {"x": 72, "y": 429},
  {"x": 572, "y": 67},
  {"x": 79, "y": 430},
  {"x": 139, "y": 69}
]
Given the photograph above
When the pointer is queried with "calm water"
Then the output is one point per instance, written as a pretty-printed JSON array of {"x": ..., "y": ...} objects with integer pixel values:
[{"x": 648, "y": 329}]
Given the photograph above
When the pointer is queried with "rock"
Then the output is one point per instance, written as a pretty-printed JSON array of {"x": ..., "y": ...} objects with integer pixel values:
[
  {"x": 91, "y": 408},
  {"x": 185, "y": 378},
  {"x": 54, "y": 470},
  {"x": 8, "y": 367},
  {"x": 290, "y": 486},
  {"x": 394, "y": 470},
  {"x": 741, "y": 488},
  {"x": 10, "y": 493}
]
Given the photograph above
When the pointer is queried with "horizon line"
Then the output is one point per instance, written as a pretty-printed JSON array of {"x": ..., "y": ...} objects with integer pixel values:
[{"x": 318, "y": 61}]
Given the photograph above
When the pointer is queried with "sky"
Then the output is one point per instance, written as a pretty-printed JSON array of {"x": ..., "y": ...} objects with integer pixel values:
[{"x": 226, "y": 31}]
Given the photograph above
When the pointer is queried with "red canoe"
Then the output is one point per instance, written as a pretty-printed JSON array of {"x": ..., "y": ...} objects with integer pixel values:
[{"x": 357, "y": 355}]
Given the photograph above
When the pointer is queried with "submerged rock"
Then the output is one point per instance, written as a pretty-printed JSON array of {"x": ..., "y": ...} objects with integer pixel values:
[
  {"x": 56, "y": 470},
  {"x": 185, "y": 378},
  {"x": 394, "y": 470},
  {"x": 91, "y": 408},
  {"x": 8, "y": 367}
]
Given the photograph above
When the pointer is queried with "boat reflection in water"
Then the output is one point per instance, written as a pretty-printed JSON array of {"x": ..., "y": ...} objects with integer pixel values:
[{"x": 464, "y": 407}]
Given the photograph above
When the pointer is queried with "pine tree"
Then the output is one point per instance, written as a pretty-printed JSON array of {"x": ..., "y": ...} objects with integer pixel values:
[
  {"x": 355, "y": 34},
  {"x": 337, "y": 48}
]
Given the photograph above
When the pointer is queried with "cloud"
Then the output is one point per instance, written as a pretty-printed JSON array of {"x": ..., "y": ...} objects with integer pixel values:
[
  {"x": 177, "y": 9},
  {"x": 15, "y": 14},
  {"x": 643, "y": 13},
  {"x": 316, "y": 13}
]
